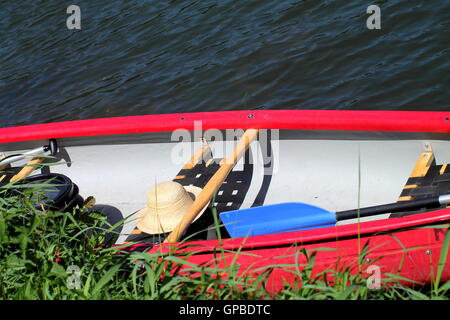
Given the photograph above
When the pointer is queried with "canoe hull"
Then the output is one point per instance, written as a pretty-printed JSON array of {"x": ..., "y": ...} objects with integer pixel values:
[
  {"x": 408, "y": 254},
  {"x": 336, "y": 160}
]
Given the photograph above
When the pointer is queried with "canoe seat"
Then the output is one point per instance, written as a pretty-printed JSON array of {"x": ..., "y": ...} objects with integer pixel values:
[{"x": 425, "y": 181}]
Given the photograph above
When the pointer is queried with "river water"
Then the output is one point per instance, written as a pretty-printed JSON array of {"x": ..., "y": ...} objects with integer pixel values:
[{"x": 151, "y": 57}]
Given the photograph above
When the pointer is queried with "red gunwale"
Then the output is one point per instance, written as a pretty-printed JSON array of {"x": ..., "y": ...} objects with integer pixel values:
[
  {"x": 314, "y": 235},
  {"x": 400, "y": 121}
]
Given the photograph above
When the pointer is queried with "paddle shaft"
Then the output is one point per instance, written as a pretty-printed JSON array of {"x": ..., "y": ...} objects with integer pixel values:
[
  {"x": 28, "y": 169},
  {"x": 213, "y": 185},
  {"x": 293, "y": 216},
  {"x": 393, "y": 207}
]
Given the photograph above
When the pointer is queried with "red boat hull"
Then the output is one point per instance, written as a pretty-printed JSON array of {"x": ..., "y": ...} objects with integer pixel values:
[{"x": 402, "y": 246}]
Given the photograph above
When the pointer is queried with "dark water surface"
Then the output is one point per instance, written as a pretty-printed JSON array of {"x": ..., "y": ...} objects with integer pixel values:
[{"x": 149, "y": 57}]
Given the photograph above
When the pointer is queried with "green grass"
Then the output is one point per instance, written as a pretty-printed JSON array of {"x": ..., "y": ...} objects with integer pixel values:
[{"x": 62, "y": 255}]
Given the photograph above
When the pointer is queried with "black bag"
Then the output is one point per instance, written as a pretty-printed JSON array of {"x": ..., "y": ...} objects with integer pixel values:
[{"x": 60, "y": 193}]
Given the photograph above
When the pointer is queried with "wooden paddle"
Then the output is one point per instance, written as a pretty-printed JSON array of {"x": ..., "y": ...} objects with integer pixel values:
[
  {"x": 38, "y": 158},
  {"x": 213, "y": 185},
  {"x": 28, "y": 169}
]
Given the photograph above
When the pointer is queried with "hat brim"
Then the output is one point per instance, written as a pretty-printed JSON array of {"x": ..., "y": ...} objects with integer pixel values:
[{"x": 151, "y": 222}]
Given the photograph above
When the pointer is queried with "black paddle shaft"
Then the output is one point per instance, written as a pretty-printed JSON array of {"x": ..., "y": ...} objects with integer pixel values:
[{"x": 389, "y": 208}]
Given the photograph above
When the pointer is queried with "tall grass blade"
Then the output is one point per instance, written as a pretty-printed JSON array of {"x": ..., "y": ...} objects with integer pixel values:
[{"x": 105, "y": 279}]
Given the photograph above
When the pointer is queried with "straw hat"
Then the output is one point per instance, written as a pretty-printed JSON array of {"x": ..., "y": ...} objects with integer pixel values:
[{"x": 167, "y": 203}]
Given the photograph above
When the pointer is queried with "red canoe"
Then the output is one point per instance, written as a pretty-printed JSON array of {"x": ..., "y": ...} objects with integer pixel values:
[{"x": 336, "y": 160}]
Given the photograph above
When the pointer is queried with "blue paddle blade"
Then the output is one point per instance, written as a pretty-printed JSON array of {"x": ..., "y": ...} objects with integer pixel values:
[{"x": 276, "y": 218}]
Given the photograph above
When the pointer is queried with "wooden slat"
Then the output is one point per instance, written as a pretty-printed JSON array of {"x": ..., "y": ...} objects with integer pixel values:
[
  {"x": 198, "y": 155},
  {"x": 420, "y": 170},
  {"x": 422, "y": 165},
  {"x": 210, "y": 161}
]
